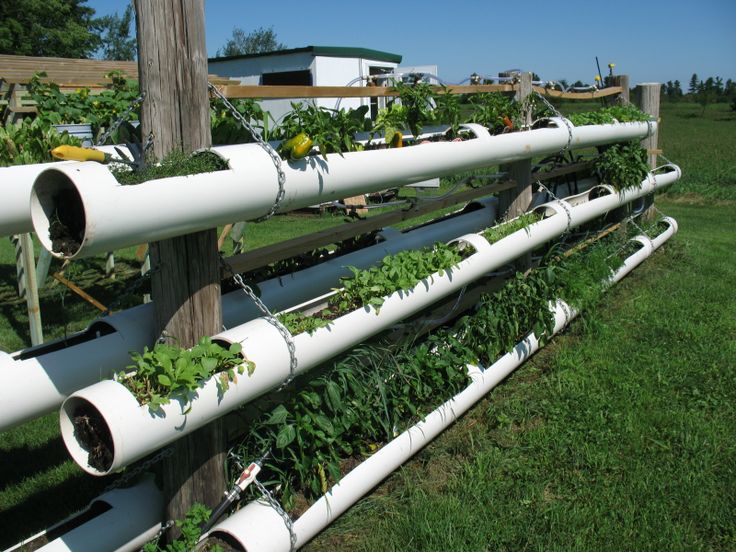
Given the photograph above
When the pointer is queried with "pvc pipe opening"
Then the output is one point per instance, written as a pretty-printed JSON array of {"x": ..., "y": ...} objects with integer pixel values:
[
  {"x": 225, "y": 540},
  {"x": 85, "y": 428},
  {"x": 57, "y": 210},
  {"x": 600, "y": 190}
]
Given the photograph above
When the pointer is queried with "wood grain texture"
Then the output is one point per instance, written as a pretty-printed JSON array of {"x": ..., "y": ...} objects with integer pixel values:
[{"x": 185, "y": 278}]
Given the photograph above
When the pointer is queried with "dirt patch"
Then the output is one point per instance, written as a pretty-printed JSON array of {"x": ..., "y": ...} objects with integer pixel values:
[
  {"x": 94, "y": 436},
  {"x": 66, "y": 228}
]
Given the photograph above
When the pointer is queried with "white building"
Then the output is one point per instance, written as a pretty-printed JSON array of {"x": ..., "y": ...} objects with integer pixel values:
[{"x": 309, "y": 66}]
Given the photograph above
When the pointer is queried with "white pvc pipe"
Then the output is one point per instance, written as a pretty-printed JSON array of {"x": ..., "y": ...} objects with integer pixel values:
[
  {"x": 258, "y": 528},
  {"x": 53, "y": 371},
  {"x": 109, "y": 217},
  {"x": 135, "y": 431},
  {"x": 16, "y": 183},
  {"x": 133, "y": 518}
]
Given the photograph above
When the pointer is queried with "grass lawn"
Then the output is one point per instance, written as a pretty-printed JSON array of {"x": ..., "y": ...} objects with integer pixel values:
[{"x": 619, "y": 435}]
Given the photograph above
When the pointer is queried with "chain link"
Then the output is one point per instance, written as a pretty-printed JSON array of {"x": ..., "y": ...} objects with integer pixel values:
[
  {"x": 561, "y": 116},
  {"x": 139, "y": 469},
  {"x": 121, "y": 119},
  {"x": 279, "y": 510},
  {"x": 164, "y": 527},
  {"x": 275, "y": 157},
  {"x": 269, "y": 317},
  {"x": 564, "y": 204}
]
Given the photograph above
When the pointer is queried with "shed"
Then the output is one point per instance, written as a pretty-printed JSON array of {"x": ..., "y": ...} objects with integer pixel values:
[{"x": 308, "y": 66}]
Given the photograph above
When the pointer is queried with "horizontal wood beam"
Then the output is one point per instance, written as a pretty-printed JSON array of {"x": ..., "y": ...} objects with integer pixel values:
[
  {"x": 263, "y": 256},
  {"x": 284, "y": 92}
]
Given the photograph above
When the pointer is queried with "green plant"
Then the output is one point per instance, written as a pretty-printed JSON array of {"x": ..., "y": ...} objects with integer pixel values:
[
  {"x": 489, "y": 109},
  {"x": 418, "y": 101},
  {"x": 297, "y": 323},
  {"x": 227, "y": 130},
  {"x": 616, "y": 113},
  {"x": 176, "y": 163},
  {"x": 390, "y": 120},
  {"x": 401, "y": 271},
  {"x": 191, "y": 532},
  {"x": 500, "y": 231},
  {"x": 167, "y": 370},
  {"x": 622, "y": 165},
  {"x": 447, "y": 110},
  {"x": 30, "y": 142},
  {"x": 332, "y": 131},
  {"x": 100, "y": 110}
]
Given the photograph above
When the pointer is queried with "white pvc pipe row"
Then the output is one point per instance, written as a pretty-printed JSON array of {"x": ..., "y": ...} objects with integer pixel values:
[
  {"x": 117, "y": 216},
  {"x": 133, "y": 518},
  {"x": 53, "y": 371},
  {"x": 16, "y": 183},
  {"x": 135, "y": 431},
  {"x": 259, "y": 528}
]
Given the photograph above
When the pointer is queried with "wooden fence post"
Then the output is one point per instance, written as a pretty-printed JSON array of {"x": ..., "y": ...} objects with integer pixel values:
[
  {"x": 28, "y": 285},
  {"x": 623, "y": 82},
  {"x": 516, "y": 201},
  {"x": 647, "y": 99},
  {"x": 185, "y": 280}
]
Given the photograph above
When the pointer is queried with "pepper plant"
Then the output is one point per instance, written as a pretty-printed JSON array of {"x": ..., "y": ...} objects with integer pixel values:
[{"x": 622, "y": 165}]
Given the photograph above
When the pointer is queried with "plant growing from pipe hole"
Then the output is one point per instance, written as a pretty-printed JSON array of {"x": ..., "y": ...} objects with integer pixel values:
[
  {"x": 369, "y": 287},
  {"x": 176, "y": 163},
  {"x": 372, "y": 394},
  {"x": 167, "y": 370},
  {"x": 191, "y": 532},
  {"x": 616, "y": 113},
  {"x": 622, "y": 165}
]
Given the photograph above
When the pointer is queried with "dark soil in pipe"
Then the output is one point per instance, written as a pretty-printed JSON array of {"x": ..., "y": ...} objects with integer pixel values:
[
  {"x": 94, "y": 436},
  {"x": 66, "y": 228}
]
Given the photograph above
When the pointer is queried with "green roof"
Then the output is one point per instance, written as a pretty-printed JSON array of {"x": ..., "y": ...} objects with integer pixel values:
[{"x": 327, "y": 51}]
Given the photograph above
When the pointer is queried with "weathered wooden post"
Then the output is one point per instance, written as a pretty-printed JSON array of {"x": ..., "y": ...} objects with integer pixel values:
[
  {"x": 647, "y": 99},
  {"x": 185, "y": 281},
  {"x": 27, "y": 284},
  {"x": 623, "y": 82},
  {"x": 516, "y": 201}
]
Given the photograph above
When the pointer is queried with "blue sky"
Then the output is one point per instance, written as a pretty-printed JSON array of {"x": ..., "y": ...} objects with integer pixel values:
[{"x": 651, "y": 40}]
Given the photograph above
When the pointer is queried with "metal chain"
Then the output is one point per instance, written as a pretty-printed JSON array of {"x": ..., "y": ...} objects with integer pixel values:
[
  {"x": 164, "y": 527},
  {"x": 121, "y": 119},
  {"x": 561, "y": 116},
  {"x": 269, "y": 317},
  {"x": 275, "y": 157},
  {"x": 135, "y": 472},
  {"x": 279, "y": 510},
  {"x": 564, "y": 204}
]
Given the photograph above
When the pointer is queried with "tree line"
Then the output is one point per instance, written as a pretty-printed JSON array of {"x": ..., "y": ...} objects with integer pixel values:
[{"x": 70, "y": 29}]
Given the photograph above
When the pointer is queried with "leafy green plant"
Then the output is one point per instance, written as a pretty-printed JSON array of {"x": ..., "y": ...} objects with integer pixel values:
[
  {"x": 622, "y": 113},
  {"x": 500, "y": 231},
  {"x": 297, "y": 323},
  {"x": 390, "y": 120},
  {"x": 191, "y": 532},
  {"x": 167, "y": 370},
  {"x": 82, "y": 106},
  {"x": 493, "y": 110},
  {"x": 377, "y": 391},
  {"x": 622, "y": 165},
  {"x": 333, "y": 131},
  {"x": 418, "y": 101},
  {"x": 227, "y": 130},
  {"x": 30, "y": 142},
  {"x": 401, "y": 271},
  {"x": 447, "y": 111}
]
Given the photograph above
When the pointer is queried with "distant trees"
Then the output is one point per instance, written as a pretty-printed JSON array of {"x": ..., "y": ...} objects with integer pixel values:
[
  {"x": 117, "y": 43},
  {"x": 673, "y": 90},
  {"x": 57, "y": 28},
  {"x": 711, "y": 90},
  {"x": 256, "y": 42}
]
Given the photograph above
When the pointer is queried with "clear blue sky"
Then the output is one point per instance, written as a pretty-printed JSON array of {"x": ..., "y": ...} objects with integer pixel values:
[{"x": 651, "y": 40}]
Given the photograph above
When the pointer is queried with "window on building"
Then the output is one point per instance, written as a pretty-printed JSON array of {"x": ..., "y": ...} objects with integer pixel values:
[{"x": 303, "y": 78}]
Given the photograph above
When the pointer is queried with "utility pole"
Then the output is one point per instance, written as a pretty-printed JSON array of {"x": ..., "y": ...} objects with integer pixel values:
[{"x": 185, "y": 277}]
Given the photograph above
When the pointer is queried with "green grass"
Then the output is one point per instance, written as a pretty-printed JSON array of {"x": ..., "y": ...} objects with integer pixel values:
[{"x": 619, "y": 435}]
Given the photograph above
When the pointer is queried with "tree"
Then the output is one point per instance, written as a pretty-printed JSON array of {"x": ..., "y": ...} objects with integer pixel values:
[
  {"x": 678, "y": 89},
  {"x": 117, "y": 44},
  {"x": 256, "y": 42},
  {"x": 58, "y": 28},
  {"x": 694, "y": 82}
]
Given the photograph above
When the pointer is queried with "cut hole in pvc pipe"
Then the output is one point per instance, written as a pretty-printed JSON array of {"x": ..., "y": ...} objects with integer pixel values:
[
  {"x": 94, "y": 331},
  {"x": 599, "y": 191},
  {"x": 96, "y": 448},
  {"x": 56, "y": 202}
]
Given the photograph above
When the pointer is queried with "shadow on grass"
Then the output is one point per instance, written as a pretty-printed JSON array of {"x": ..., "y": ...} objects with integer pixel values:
[
  {"x": 22, "y": 462},
  {"x": 47, "y": 507}
]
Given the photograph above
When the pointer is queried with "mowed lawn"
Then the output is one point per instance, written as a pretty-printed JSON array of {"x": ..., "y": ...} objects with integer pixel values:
[{"x": 619, "y": 435}]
